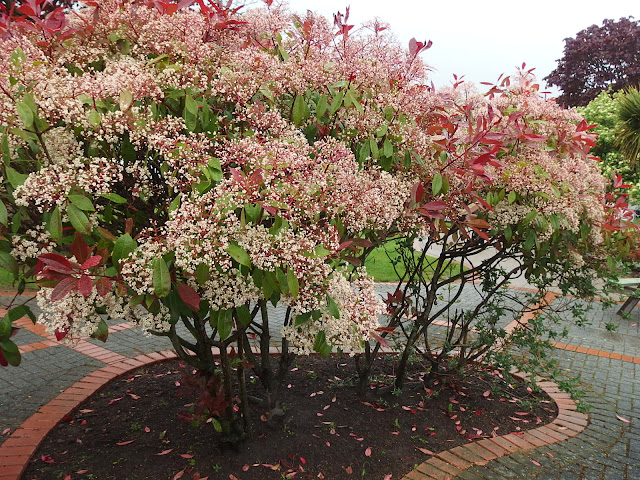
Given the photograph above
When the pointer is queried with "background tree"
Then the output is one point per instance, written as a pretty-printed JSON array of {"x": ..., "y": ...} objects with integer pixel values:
[{"x": 598, "y": 58}]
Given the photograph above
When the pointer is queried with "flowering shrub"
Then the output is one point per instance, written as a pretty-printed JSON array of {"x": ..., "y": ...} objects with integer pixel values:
[{"x": 180, "y": 165}]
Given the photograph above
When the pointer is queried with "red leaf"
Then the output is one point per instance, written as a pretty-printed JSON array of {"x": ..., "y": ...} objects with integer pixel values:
[
  {"x": 80, "y": 248},
  {"x": 85, "y": 285},
  {"x": 63, "y": 287},
  {"x": 125, "y": 443},
  {"x": 60, "y": 334},
  {"x": 425, "y": 451},
  {"x": 164, "y": 452},
  {"x": 47, "y": 459},
  {"x": 487, "y": 393},
  {"x": 82, "y": 472},
  {"x": 349, "y": 470},
  {"x": 91, "y": 262},
  {"x": 6, "y": 430},
  {"x": 186, "y": 455},
  {"x": 535, "y": 463},
  {"x": 417, "y": 192},
  {"x": 56, "y": 262},
  {"x": 189, "y": 296},
  {"x": 103, "y": 286},
  {"x": 115, "y": 400},
  {"x": 623, "y": 419},
  {"x": 367, "y": 452},
  {"x": 178, "y": 475},
  {"x": 147, "y": 429},
  {"x": 245, "y": 468},
  {"x": 435, "y": 206}
]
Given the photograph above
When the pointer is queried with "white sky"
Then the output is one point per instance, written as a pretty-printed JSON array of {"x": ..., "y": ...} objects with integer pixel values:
[{"x": 481, "y": 39}]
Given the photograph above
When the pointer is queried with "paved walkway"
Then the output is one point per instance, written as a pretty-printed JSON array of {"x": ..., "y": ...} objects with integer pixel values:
[{"x": 53, "y": 378}]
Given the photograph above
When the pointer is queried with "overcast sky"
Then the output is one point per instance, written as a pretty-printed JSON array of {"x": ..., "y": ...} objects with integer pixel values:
[{"x": 482, "y": 39}]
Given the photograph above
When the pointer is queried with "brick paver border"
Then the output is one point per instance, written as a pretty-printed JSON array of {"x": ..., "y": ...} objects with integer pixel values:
[
  {"x": 446, "y": 465},
  {"x": 17, "y": 450}
]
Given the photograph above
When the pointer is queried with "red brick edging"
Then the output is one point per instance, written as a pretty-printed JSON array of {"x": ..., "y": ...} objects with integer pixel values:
[
  {"x": 17, "y": 450},
  {"x": 446, "y": 465}
]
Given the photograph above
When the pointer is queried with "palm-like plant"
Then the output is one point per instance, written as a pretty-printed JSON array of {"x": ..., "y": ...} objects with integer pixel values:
[{"x": 628, "y": 138}]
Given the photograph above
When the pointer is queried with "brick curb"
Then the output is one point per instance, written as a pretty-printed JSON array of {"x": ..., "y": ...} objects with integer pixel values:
[
  {"x": 450, "y": 463},
  {"x": 17, "y": 450}
]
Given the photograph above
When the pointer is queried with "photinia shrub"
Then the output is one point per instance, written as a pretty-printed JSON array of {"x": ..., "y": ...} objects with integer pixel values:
[{"x": 183, "y": 165}]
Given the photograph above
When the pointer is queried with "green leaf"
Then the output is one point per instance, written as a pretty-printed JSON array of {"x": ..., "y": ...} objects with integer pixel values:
[
  {"x": 321, "y": 251},
  {"x": 15, "y": 178},
  {"x": 333, "y": 307},
  {"x": 55, "y": 225},
  {"x": 161, "y": 278},
  {"x": 350, "y": 99},
  {"x": 529, "y": 216},
  {"x": 387, "y": 148},
  {"x": 373, "y": 144},
  {"x": 300, "y": 110},
  {"x": 102, "y": 332},
  {"x": 6, "y": 152},
  {"x": 336, "y": 103},
  {"x": 82, "y": 202},
  {"x": 78, "y": 219},
  {"x": 5, "y": 328},
  {"x": 321, "y": 106},
  {"x": 382, "y": 130},
  {"x": 95, "y": 118},
  {"x": 202, "y": 273},
  {"x": 512, "y": 197},
  {"x": 531, "y": 240},
  {"x": 16, "y": 313},
  {"x": 114, "y": 197},
  {"x": 8, "y": 263},
  {"x": 239, "y": 254},
  {"x": 217, "y": 426},
  {"x": 123, "y": 246},
  {"x": 26, "y": 114},
  {"x": 244, "y": 315},
  {"x": 125, "y": 100},
  {"x": 292, "y": 283},
  {"x": 436, "y": 184},
  {"x": 4, "y": 215},
  {"x": 224, "y": 324},
  {"x": 300, "y": 319},
  {"x": 11, "y": 352},
  {"x": 269, "y": 284},
  {"x": 321, "y": 346},
  {"x": 215, "y": 170},
  {"x": 283, "y": 282},
  {"x": 190, "y": 105},
  {"x": 508, "y": 233}
]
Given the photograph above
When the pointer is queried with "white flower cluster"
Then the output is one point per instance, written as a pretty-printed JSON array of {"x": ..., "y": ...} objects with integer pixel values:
[
  {"x": 33, "y": 243},
  {"x": 137, "y": 268},
  {"x": 230, "y": 289},
  {"x": 76, "y": 314},
  {"x": 360, "y": 308}
]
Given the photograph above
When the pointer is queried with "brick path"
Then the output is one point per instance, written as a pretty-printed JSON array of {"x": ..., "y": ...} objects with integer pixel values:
[{"x": 53, "y": 379}]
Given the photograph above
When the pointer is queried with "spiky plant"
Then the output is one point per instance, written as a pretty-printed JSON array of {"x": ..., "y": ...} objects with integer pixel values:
[{"x": 628, "y": 138}]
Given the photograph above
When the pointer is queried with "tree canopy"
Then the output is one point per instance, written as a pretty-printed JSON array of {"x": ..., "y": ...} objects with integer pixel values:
[{"x": 598, "y": 58}]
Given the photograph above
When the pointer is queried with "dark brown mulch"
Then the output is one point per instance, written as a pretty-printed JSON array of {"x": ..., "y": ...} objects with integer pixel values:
[{"x": 130, "y": 429}]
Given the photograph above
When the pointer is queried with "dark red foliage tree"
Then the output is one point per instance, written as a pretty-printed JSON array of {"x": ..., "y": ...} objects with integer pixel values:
[
  {"x": 7, "y": 5},
  {"x": 598, "y": 58}
]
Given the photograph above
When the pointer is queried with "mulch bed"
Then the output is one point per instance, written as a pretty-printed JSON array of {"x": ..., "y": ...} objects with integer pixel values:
[{"x": 131, "y": 428}]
